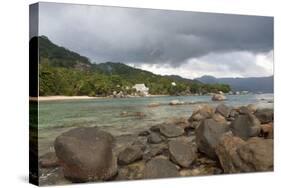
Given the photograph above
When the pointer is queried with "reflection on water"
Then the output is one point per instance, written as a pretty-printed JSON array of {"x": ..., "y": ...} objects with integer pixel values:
[{"x": 56, "y": 117}]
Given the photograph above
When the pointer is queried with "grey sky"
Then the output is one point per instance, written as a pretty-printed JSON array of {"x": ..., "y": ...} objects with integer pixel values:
[{"x": 173, "y": 40}]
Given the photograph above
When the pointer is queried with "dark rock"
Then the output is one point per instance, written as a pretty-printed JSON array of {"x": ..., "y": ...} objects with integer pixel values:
[
  {"x": 160, "y": 168},
  {"x": 223, "y": 110},
  {"x": 170, "y": 131},
  {"x": 267, "y": 131},
  {"x": 155, "y": 128},
  {"x": 265, "y": 115},
  {"x": 154, "y": 138},
  {"x": 140, "y": 143},
  {"x": 154, "y": 151},
  {"x": 144, "y": 133},
  {"x": 153, "y": 104},
  {"x": 48, "y": 160},
  {"x": 129, "y": 155},
  {"x": 236, "y": 155},
  {"x": 86, "y": 154},
  {"x": 182, "y": 152},
  {"x": 233, "y": 113},
  {"x": 245, "y": 126},
  {"x": 208, "y": 135}
]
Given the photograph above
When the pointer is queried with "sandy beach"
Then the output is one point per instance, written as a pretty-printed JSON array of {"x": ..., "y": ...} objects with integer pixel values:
[
  {"x": 54, "y": 98},
  {"x": 61, "y": 97}
]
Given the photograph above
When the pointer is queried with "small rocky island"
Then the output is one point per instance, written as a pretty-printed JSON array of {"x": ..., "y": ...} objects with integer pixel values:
[{"x": 219, "y": 140}]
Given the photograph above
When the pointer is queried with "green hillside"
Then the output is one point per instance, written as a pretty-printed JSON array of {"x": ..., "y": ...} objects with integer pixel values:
[{"x": 63, "y": 72}]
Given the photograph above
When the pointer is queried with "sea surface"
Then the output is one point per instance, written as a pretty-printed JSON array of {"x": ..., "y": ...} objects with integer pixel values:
[{"x": 118, "y": 116}]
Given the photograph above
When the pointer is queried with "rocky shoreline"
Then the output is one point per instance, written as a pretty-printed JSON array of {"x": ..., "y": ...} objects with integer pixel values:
[{"x": 219, "y": 140}]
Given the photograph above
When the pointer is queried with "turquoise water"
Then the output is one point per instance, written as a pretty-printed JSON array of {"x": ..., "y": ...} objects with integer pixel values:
[{"x": 56, "y": 117}]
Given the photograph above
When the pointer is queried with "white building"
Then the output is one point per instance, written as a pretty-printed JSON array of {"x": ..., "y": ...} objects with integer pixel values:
[
  {"x": 173, "y": 83},
  {"x": 141, "y": 89}
]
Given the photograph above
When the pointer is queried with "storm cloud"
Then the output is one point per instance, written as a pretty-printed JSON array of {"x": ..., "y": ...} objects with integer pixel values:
[{"x": 160, "y": 38}]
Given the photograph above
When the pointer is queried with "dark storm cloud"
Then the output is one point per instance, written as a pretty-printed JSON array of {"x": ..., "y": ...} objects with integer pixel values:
[{"x": 152, "y": 36}]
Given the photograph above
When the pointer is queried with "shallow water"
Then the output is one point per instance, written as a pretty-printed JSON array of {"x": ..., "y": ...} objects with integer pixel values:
[{"x": 56, "y": 117}]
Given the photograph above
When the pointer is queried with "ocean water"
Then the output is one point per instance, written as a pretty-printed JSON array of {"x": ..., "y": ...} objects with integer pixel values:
[{"x": 56, "y": 117}]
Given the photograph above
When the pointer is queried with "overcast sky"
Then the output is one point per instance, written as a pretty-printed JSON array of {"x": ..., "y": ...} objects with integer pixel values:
[{"x": 188, "y": 44}]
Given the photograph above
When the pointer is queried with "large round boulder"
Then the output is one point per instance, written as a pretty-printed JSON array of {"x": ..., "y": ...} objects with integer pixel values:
[
  {"x": 130, "y": 154},
  {"x": 182, "y": 152},
  {"x": 264, "y": 115},
  {"x": 245, "y": 126},
  {"x": 203, "y": 112},
  {"x": 208, "y": 134},
  {"x": 218, "y": 97},
  {"x": 160, "y": 168},
  {"x": 154, "y": 138},
  {"x": 236, "y": 155},
  {"x": 85, "y": 154},
  {"x": 170, "y": 130},
  {"x": 258, "y": 154},
  {"x": 223, "y": 110}
]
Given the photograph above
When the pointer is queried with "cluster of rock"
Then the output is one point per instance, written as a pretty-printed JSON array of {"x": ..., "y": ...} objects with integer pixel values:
[{"x": 211, "y": 141}]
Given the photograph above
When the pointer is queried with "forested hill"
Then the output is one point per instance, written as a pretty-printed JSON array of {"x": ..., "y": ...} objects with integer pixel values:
[{"x": 64, "y": 72}]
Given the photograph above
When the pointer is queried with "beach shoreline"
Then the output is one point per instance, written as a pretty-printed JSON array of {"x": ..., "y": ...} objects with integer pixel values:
[{"x": 62, "y": 97}]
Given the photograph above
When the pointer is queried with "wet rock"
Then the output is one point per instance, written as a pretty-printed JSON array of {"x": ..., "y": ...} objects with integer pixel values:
[
  {"x": 154, "y": 151},
  {"x": 86, "y": 154},
  {"x": 139, "y": 114},
  {"x": 130, "y": 155},
  {"x": 160, "y": 168},
  {"x": 245, "y": 126},
  {"x": 155, "y": 128},
  {"x": 208, "y": 134},
  {"x": 237, "y": 155},
  {"x": 182, "y": 152},
  {"x": 144, "y": 133},
  {"x": 140, "y": 143},
  {"x": 267, "y": 131},
  {"x": 132, "y": 171},
  {"x": 154, "y": 138},
  {"x": 182, "y": 121},
  {"x": 233, "y": 113},
  {"x": 176, "y": 102},
  {"x": 153, "y": 104},
  {"x": 48, "y": 160},
  {"x": 203, "y": 112},
  {"x": 170, "y": 131},
  {"x": 223, "y": 110},
  {"x": 218, "y": 97},
  {"x": 264, "y": 115}
]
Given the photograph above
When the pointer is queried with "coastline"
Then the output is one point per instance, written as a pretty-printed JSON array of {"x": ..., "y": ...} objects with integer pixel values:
[{"x": 62, "y": 97}]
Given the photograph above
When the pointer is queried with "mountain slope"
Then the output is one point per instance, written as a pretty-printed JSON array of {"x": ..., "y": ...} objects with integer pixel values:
[
  {"x": 252, "y": 84},
  {"x": 64, "y": 72}
]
